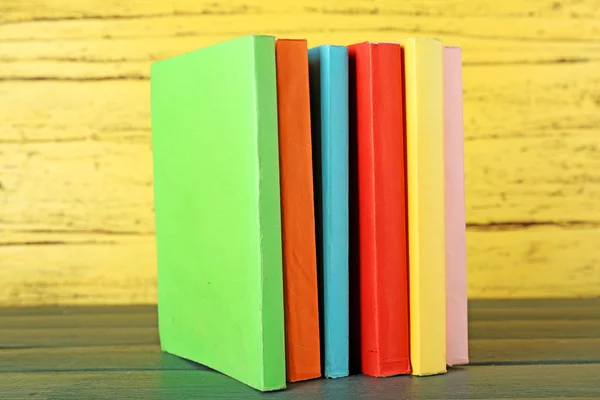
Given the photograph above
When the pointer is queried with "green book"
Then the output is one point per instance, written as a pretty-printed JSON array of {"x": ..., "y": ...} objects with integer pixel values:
[{"x": 218, "y": 223}]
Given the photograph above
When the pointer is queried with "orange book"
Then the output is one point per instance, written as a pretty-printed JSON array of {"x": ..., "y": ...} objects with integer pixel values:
[{"x": 303, "y": 357}]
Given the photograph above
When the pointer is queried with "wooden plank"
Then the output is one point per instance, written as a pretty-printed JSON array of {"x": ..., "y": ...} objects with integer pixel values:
[
  {"x": 60, "y": 114},
  {"x": 541, "y": 304},
  {"x": 539, "y": 261},
  {"x": 128, "y": 58},
  {"x": 534, "y": 329},
  {"x": 64, "y": 9},
  {"x": 76, "y": 337},
  {"x": 77, "y": 320},
  {"x": 120, "y": 269},
  {"x": 522, "y": 40},
  {"x": 42, "y": 193},
  {"x": 563, "y": 314},
  {"x": 528, "y": 262},
  {"x": 533, "y": 189},
  {"x": 149, "y": 357},
  {"x": 558, "y": 104},
  {"x": 490, "y": 382},
  {"x": 533, "y": 262},
  {"x": 59, "y": 311},
  {"x": 542, "y": 21},
  {"x": 102, "y": 358},
  {"x": 479, "y": 310},
  {"x": 546, "y": 32},
  {"x": 534, "y": 351}
]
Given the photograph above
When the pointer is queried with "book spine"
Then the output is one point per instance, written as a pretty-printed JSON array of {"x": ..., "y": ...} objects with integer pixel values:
[
  {"x": 272, "y": 308},
  {"x": 303, "y": 353},
  {"x": 334, "y": 74},
  {"x": 423, "y": 68},
  {"x": 456, "y": 257},
  {"x": 329, "y": 97},
  {"x": 382, "y": 209}
]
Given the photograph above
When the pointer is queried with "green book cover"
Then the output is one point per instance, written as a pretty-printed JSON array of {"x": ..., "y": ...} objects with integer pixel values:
[{"x": 217, "y": 204}]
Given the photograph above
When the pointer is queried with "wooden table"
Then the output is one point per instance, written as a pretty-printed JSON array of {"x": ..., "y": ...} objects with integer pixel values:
[{"x": 519, "y": 349}]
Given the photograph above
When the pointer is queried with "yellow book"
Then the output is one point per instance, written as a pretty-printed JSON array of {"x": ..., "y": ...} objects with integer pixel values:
[{"x": 424, "y": 80}]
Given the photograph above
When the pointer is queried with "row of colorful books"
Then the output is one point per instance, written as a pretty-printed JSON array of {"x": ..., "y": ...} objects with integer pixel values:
[{"x": 310, "y": 208}]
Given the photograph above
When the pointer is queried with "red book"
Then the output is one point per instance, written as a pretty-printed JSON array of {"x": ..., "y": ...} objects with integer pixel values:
[{"x": 378, "y": 127}]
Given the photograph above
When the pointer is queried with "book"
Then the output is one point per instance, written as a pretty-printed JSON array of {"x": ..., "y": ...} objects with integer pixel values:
[
  {"x": 303, "y": 352},
  {"x": 424, "y": 86},
  {"x": 377, "y": 92},
  {"x": 328, "y": 68},
  {"x": 217, "y": 204},
  {"x": 457, "y": 346}
]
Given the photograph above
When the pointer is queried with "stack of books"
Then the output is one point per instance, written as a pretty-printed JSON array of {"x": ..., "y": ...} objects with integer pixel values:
[{"x": 310, "y": 212}]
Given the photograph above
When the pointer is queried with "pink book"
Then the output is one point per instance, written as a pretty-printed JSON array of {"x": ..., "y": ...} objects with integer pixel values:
[{"x": 457, "y": 348}]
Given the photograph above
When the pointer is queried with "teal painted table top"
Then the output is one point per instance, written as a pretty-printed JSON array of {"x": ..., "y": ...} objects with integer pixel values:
[{"x": 520, "y": 349}]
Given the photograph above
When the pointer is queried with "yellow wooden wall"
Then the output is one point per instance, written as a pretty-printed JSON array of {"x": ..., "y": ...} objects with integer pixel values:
[{"x": 76, "y": 217}]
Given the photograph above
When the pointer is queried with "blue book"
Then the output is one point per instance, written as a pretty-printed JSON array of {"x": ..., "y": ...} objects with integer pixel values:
[{"x": 329, "y": 118}]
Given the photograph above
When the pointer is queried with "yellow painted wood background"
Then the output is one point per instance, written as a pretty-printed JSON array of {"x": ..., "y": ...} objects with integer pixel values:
[{"x": 76, "y": 210}]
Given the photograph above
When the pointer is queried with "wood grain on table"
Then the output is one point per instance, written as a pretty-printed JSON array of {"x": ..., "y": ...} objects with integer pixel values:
[
  {"x": 75, "y": 156},
  {"x": 113, "y": 352}
]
